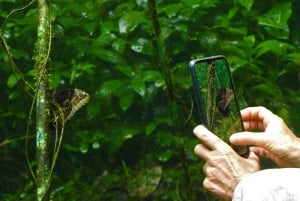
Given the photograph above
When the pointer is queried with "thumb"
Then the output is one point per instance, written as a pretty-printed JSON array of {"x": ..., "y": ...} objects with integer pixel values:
[{"x": 258, "y": 139}]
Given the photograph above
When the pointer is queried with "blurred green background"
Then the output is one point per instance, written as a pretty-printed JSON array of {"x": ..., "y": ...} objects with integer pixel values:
[{"x": 132, "y": 58}]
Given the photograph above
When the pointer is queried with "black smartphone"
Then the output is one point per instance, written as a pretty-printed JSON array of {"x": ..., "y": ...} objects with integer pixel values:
[{"x": 216, "y": 98}]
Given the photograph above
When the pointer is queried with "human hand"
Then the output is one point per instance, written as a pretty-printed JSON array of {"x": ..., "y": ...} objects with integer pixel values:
[
  {"x": 276, "y": 141},
  {"x": 223, "y": 167}
]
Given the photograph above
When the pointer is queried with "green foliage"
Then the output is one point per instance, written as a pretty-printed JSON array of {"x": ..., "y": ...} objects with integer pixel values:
[{"x": 133, "y": 62}]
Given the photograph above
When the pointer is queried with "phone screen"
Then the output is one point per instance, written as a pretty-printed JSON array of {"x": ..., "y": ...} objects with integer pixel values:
[{"x": 216, "y": 98}]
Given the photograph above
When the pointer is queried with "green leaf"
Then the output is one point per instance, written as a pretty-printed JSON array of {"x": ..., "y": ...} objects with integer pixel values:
[
  {"x": 294, "y": 57},
  {"x": 11, "y": 1},
  {"x": 90, "y": 27},
  {"x": 126, "y": 101},
  {"x": 232, "y": 12},
  {"x": 150, "y": 128},
  {"x": 200, "y": 3},
  {"x": 138, "y": 86},
  {"x": 109, "y": 87},
  {"x": 104, "y": 39},
  {"x": 165, "y": 156},
  {"x": 274, "y": 46},
  {"x": 12, "y": 80},
  {"x": 68, "y": 21},
  {"x": 267, "y": 90},
  {"x": 125, "y": 69},
  {"x": 209, "y": 39},
  {"x": 130, "y": 20},
  {"x": 119, "y": 45},
  {"x": 108, "y": 26},
  {"x": 142, "y": 45},
  {"x": 93, "y": 108},
  {"x": 249, "y": 40},
  {"x": 277, "y": 17},
  {"x": 152, "y": 76},
  {"x": 55, "y": 80},
  {"x": 109, "y": 56},
  {"x": 123, "y": 133},
  {"x": 171, "y": 10},
  {"x": 80, "y": 69},
  {"x": 246, "y": 3}
]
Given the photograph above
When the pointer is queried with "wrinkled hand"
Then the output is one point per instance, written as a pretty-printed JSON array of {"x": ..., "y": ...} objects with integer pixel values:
[
  {"x": 276, "y": 141},
  {"x": 223, "y": 167}
]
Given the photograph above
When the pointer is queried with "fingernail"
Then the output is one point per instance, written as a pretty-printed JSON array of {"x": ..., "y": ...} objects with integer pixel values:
[
  {"x": 232, "y": 138},
  {"x": 198, "y": 128}
]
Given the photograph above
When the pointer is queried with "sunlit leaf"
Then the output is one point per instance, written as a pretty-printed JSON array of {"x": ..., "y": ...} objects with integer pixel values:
[
  {"x": 109, "y": 87},
  {"x": 209, "y": 39},
  {"x": 104, "y": 39},
  {"x": 119, "y": 45},
  {"x": 130, "y": 20},
  {"x": 249, "y": 40},
  {"x": 246, "y": 3},
  {"x": 151, "y": 76},
  {"x": 200, "y": 3},
  {"x": 277, "y": 17},
  {"x": 142, "y": 45},
  {"x": 232, "y": 12},
  {"x": 172, "y": 9},
  {"x": 125, "y": 69},
  {"x": 273, "y": 46},
  {"x": 109, "y": 56},
  {"x": 294, "y": 57},
  {"x": 12, "y": 80},
  {"x": 138, "y": 86},
  {"x": 237, "y": 31},
  {"x": 108, "y": 26}
]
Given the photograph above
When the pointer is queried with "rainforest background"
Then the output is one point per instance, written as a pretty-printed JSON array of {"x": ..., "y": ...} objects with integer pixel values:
[{"x": 133, "y": 140}]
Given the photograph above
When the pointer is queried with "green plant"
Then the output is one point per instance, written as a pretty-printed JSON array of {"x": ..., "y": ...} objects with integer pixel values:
[{"x": 132, "y": 57}]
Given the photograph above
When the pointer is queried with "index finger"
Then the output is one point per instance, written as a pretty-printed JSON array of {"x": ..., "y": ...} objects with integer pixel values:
[{"x": 210, "y": 140}]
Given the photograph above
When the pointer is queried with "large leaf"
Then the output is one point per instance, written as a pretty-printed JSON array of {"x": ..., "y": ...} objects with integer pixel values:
[
  {"x": 109, "y": 88},
  {"x": 201, "y": 3},
  {"x": 277, "y": 17},
  {"x": 142, "y": 45},
  {"x": 138, "y": 86},
  {"x": 246, "y": 3},
  {"x": 109, "y": 56},
  {"x": 126, "y": 101},
  {"x": 274, "y": 46},
  {"x": 130, "y": 20}
]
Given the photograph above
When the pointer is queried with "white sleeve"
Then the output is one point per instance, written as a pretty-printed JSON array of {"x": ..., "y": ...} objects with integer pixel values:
[{"x": 270, "y": 185}]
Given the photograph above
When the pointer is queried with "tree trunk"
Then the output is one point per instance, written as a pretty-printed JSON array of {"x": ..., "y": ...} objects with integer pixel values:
[{"x": 42, "y": 48}]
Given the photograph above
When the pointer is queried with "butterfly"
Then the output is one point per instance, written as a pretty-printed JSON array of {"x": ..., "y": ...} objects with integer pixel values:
[
  {"x": 70, "y": 100},
  {"x": 224, "y": 96}
]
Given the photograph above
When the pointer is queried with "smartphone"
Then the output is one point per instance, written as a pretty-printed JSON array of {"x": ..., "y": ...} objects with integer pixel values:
[{"x": 216, "y": 98}]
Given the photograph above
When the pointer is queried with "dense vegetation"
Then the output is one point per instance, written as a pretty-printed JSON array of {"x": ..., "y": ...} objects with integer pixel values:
[{"x": 132, "y": 58}]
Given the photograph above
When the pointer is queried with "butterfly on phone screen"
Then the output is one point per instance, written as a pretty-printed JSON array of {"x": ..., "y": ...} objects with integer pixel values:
[
  {"x": 69, "y": 101},
  {"x": 224, "y": 96}
]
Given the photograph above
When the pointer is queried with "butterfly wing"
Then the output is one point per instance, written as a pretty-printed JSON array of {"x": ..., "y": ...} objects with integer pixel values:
[
  {"x": 224, "y": 96},
  {"x": 70, "y": 100}
]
